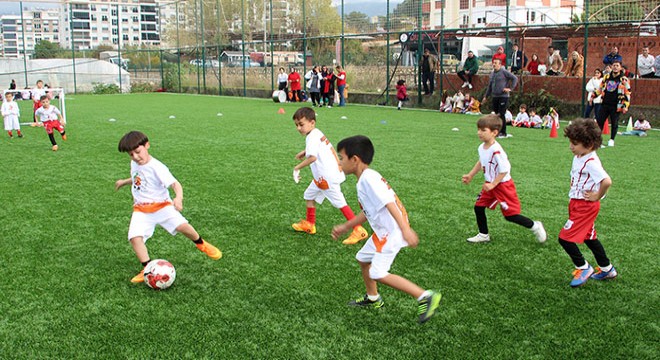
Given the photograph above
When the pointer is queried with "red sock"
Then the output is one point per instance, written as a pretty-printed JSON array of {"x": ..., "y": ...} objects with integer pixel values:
[
  {"x": 19, "y": 132},
  {"x": 348, "y": 213},
  {"x": 10, "y": 135},
  {"x": 311, "y": 215}
]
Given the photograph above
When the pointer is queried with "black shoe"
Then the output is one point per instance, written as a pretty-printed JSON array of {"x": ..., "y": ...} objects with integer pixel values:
[{"x": 365, "y": 302}]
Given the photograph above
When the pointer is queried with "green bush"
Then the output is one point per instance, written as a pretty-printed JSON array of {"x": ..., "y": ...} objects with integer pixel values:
[
  {"x": 542, "y": 101},
  {"x": 104, "y": 89},
  {"x": 142, "y": 87}
]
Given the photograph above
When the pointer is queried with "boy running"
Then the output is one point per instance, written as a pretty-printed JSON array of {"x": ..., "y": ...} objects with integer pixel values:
[
  {"x": 389, "y": 220},
  {"x": 321, "y": 157},
  {"x": 499, "y": 186},
  {"x": 152, "y": 204},
  {"x": 589, "y": 184},
  {"x": 51, "y": 118}
]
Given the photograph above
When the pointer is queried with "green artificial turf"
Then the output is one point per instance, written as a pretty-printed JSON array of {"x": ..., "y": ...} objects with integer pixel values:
[{"x": 65, "y": 263}]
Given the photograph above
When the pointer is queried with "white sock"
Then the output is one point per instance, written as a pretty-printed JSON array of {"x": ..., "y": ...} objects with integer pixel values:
[
  {"x": 583, "y": 267},
  {"x": 426, "y": 293},
  {"x": 400, "y": 103},
  {"x": 373, "y": 297},
  {"x": 606, "y": 268}
]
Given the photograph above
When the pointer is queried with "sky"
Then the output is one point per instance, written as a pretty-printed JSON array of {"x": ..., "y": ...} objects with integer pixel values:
[{"x": 14, "y": 7}]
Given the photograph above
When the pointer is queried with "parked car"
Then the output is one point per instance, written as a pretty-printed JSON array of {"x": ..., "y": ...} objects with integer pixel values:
[{"x": 207, "y": 63}]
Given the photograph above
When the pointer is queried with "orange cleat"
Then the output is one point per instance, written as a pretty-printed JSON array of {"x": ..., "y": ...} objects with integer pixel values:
[
  {"x": 210, "y": 250},
  {"x": 64, "y": 137},
  {"x": 358, "y": 234},
  {"x": 304, "y": 226},
  {"x": 138, "y": 278}
]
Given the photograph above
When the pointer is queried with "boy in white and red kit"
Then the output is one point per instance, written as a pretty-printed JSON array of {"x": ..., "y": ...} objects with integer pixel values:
[
  {"x": 589, "y": 184},
  {"x": 499, "y": 186},
  {"x": 51, "y": 118},
  {"x": 152, "y": 204},
  {"x": 322, "y": 159},
  {"x": 10, "y": 114}
]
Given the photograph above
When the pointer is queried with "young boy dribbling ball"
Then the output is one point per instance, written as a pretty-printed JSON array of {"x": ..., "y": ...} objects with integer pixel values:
[
  {"x": 499, "y": 186},
  {"x": 589, "y": 184},
  {"x": 322, "y": 159},
  {"x": 10, "y": 114},
  {"x": 51, "y": 118},
  {"x": 152, "y": 204},
  {"x": 392, "y": 232}
]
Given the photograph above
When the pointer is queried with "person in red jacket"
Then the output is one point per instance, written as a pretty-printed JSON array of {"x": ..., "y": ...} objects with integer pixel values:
[
  {"x": 533, "y": 66},
  {"x": 500, "y": 55},
  {"x": 401, "y": 93},
  {"x": 341, "y": 85},
  {"x": 295, "y": 87}
]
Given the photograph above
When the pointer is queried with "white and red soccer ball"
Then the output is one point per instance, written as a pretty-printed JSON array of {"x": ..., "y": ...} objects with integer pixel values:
[{"x": 159, "y": 274}]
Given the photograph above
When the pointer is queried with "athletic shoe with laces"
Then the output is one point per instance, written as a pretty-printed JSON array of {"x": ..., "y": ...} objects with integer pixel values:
[
  {"x": 479, "y": 238},
  {"x": 470, "y": 86},
  {"x": 138, "y": 278},
  {"x": 365, "y": 302},
  {"x": 358, "y": 234},
  {"x": 210, "y": 250},
  {"x": 610, "y": 143},
  {"x": 580, "y": 276},
  {"x": 304, "y": 226},
  {"x": 465, "y": 84},
  {"x": 539, "y": 231},
  {"x": 604, "y": 275},
  {"x": 427, "y": 306}
]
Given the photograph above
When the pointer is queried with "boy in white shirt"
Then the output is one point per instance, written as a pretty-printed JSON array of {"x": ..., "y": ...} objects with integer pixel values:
[
  {"x": 322, "y": 159},
  {"x": 534, "y": 120},
  {"x": 36, "y": 95},
  {"x": 51, "y": 118},
  {"x": 392, "y": 232},
  {"x": 152, "y": 204},
  {"x": 499, "y": 186},
  {"x": 522, "y": 119},
  {"x": 639, "y": 129},
  {"x": 10, "y": 114},
  {"x": 589, "y": 184}
]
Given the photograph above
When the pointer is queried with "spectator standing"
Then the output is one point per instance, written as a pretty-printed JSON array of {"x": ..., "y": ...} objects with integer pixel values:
[
  {"x": 615, "y": 90},
  {"x": 295, "y": 87},
  {"x": 500, "y": 55},
  {"x": 575, "y": 66},
  {"x": 556, "y": 64},
  {"x": 428, "y": 66},
  {"x": 533, "y": 66},
  {"x": 592, "y": 85},
  {"x": 518, "y": 60},
  {"x": 645, "y": 62},
  {"x": 341, "y": 85},
  {"x": 551, "y": 51},
  {"x": 314, "y": 86},
  {"x": 282, "y": 79},
  {"x": 500, "y": 85},
  {"x": 613, "y": 56},
  {"x": 329, "y": 88},
  {"x": 324, "y": 73},
  {"x": 470, "y": 67}
]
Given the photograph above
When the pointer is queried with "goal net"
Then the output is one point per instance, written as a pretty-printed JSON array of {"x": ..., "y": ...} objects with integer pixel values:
[{"x": 24, "y": 97}]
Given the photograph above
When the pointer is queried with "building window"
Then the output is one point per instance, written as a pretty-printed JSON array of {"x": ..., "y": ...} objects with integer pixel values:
[
  {"x": 124, "y": 37},
  {"x": 37, "y": 15},
  {"x": 113, "y": 12},
  {"x": 464, "y": 4},
  {"x": 135, "y": 19},
  {"x": 114, "y": 31},
  {"x": 135, "y": 38},
  {"x": 104, "y": 17},
  {"x": 92, "y": 7},
  {"x": 114, "y": 22}
]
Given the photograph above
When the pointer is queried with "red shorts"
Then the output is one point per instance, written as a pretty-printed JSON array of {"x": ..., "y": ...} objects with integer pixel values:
[
  {"x": 36, "y": 106},
  {"x": 53, "y": 124},
  {"x": 581, "y": 217},
  {"x": 505, "y": 194}
]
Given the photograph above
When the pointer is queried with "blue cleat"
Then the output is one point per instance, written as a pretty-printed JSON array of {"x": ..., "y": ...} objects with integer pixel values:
[
  {"x": 580, "y": 276},
  {"x": 604, "y": 275}
]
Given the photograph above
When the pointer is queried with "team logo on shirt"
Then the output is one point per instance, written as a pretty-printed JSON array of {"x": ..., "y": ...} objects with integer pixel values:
[
  {"x": 611, "y": 85},
  {"x": 137, "y": 181},
  {"x": 568, "y": 225}
]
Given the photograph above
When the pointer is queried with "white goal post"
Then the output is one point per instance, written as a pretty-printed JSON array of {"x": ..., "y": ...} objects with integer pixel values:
[{"x": 54, "y": 94}]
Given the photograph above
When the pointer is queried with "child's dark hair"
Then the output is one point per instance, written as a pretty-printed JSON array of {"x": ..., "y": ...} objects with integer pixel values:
[
  {"x": 532, "y": 109},
  {"x": 400, "y": 82},
  {"x": 585, "y": 132},
  {"x": 523, "y": 106},
  {"x": 132, "y": 141},
  {"x": 305, "y": 112},
  {"x": 490, "y": 121},
  {"x": 43, "y": 97},
  {"x": 358, "y": 145}
]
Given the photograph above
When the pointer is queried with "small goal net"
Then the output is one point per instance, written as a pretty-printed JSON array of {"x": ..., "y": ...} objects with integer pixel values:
[{"x": 56, "y": 95}]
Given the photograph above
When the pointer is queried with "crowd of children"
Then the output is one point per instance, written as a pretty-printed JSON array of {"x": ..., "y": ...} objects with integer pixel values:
[{"x": 460, "y": 103}]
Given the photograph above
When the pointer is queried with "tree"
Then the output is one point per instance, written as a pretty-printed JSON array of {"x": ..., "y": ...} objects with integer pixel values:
[
  {"x": 45, "y": 49},
  {"x": 358, "y": 22}
]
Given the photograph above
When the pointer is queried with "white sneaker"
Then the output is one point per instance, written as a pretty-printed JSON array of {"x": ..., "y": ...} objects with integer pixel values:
[
  {"x": 465, "y": 84},
  {"x": 610, "y": 143},
  {"x": 469, "y": 85},
  {"x": 479, "y": 238},
  {"x": 539, "y": 231},
  {"x": 509, "y": 135}
]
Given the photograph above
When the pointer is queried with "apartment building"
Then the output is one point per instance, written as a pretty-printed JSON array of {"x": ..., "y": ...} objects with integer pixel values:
[{"x": 21, "y": 34}]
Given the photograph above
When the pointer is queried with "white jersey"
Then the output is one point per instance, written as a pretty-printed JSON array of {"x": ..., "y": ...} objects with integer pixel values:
[
  {"x": 522, "y": 117},
  {"x": 374, "y": 193},
  {"x": 326, "y": 167},
  {"x": 47, "y": 114},
  {"x": 494, "y": 161},
  {"x": 38, "y": 93},
  {"x": 10, "y": 108},
  {"x": 586, "y": 174},
  {"x": 151, "y": 182},
  {"x": 639, "y": 125},
  {"x": 282, "y": 78}
]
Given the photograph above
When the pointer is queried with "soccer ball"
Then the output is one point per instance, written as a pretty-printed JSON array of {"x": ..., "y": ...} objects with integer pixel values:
[{"x": 159, "y": 274}]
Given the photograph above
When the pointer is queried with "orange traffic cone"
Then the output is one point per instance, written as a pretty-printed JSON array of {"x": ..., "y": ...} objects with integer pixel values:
[
  {"x": 606, "y": 127},
  {"x": 280, "y": 111},
  {"x": 553, "y": 130}
]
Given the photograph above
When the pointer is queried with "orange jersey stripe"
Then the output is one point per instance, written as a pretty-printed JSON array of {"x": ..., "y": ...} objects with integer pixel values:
[
  {"x": 378, "y": 242},
  {"x": 150, "y": 207}
]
